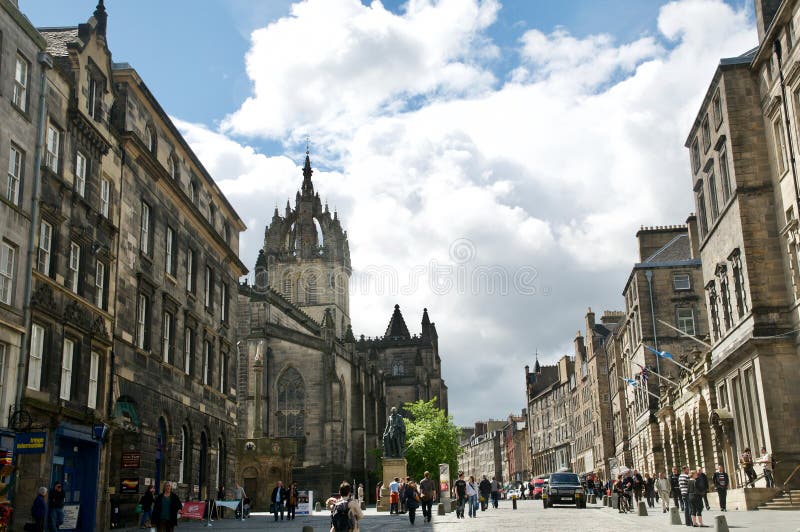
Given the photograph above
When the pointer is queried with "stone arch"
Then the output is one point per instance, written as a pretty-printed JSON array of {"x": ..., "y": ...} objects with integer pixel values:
[
  {"x": 688, "y": 438},
  {"x": 705, "y": 432},
  {"x": 680, "y": 444}
]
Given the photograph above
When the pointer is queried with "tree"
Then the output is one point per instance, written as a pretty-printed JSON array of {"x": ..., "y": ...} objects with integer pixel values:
[{"x": 432, "y": 439}]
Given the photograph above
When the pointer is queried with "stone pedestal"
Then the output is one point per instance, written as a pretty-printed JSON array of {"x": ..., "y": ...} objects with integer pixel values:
[{"x": 392, "y": 467}]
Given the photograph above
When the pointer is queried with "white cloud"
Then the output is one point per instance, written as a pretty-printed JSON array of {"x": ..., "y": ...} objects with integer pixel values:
[{"x": 555, "y": 169}]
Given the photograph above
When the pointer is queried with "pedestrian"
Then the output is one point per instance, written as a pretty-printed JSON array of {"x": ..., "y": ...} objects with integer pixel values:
[
  {"x": 702, "y": 486},
  {"x": 221, "y": 497},
  {"x": 239, "y": 495},
  {"x": 495, "y": 492},
  {"x": 412, "y": 500},
  {"x": 683, "y": 483},
  {"x": 484, "y": 492},
  {"x": 292, "y": 496},
  {"x": 472, "y": 496},
  {"x": 461, "y": 494},
  {"x": 165, "y": 509},
  {"x": 394, "y": 496},
  {"x": 403, "y": 494},
  {"x": 746, "y": 461},
  {"x": 662, "y": 489},
  {"x": 55, "y": 505},
  {"x": 638, "y": 485},
  {"x": 675, "y": 488},
  {"x": 278, "y": 500},
  {"x": 696, "y": 498},
  {"x": 649, "y": 490},
  {"x": 39, "y": 510},
  {"x": 345, "y": 512},
  {"x": 146, "y": 503},
  {"x": 427, "y": 495},
  {"x": 766, "y": 462},
  {"x": 360, "y": 493}
]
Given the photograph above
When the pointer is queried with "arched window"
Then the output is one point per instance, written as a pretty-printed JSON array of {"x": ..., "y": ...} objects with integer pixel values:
[
  {"x": 291, "y": 404},
  {"x": 311, "y": 289},
  {"x": 150, "y": 138},
  {"x": 174, "y": 172},
  {"x": 183, "y": 462},
  {"x": 287, "y": 286},
  {"x": 398, "y": 367}
]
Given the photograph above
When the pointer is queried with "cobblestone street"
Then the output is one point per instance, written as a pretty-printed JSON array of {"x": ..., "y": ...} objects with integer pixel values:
[{"x": 529, "y": 516}]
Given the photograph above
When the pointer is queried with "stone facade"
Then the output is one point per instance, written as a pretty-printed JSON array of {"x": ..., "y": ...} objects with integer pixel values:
[
  {"x": 549, "y": 395},
  {"x": 482, "y": 453}
]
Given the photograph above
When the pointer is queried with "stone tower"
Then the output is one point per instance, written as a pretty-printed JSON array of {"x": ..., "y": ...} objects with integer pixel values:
[{"x": 306, "y": 257}]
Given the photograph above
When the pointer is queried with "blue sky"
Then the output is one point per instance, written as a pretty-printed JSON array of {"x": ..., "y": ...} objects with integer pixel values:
[{"x": 517, "y": 137}]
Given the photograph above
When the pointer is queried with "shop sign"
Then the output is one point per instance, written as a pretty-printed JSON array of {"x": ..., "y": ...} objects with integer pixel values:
[
  {"x": 30, "y": 442},
  {"x": 193, "y": 510},
  {"x": 131, "y": 460},
  {"x": 129, "y": 485}
]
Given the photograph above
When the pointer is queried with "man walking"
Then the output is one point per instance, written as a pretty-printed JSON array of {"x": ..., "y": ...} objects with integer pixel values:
[
  {"x": 721, "y": 483},
  {"x": 663, "y": 488},
  {"x": 484, "y": 491},
  {"x": 426, "y": 487},
  {"x": 56, "y": 506},
  {"x": 461, "y": 494},
  {"x": 394, "y": 496},
  {"x": 683, "y": 485},
  {"x": 701, "y": 488},
  {"x": 675, "y": 488},
  {"x": 766, "y": 461},
  {"x": 495, "y": 490},
  {"x": 638, "y": 485},
  {"x": 278, "y": 500}
]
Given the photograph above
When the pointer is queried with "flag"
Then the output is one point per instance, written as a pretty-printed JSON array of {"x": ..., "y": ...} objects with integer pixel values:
[
  {"x": 662, "y": 354},
  {"x": 631, "y": 382},
  {"x": 643, "y": 373}
]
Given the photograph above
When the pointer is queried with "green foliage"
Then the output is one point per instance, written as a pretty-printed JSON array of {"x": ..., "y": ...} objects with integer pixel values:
[{"x": 432, "y": 439}]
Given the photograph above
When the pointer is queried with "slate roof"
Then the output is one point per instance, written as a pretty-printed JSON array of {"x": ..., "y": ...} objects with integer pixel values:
[
  {"x": 397, "y": 325},
  {"x": 677, "y": 249},
  {"x": 58, "y": 38}
]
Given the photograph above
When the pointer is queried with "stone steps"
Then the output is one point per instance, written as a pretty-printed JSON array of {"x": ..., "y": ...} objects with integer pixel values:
[{"x": 783, "y": 502}]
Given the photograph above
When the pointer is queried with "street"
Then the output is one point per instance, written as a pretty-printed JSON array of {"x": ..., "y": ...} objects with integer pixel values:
[{"x": 529, "y": 515}]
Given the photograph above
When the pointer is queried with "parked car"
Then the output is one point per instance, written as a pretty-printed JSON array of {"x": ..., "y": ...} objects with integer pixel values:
[
  {"x": 564, "y": 488},
  {"x": 538, "y": 485},
  {"x": 512, "y": 493}
]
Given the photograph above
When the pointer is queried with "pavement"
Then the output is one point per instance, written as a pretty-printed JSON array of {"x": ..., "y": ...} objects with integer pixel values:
[{"x": 529, "y": 515}]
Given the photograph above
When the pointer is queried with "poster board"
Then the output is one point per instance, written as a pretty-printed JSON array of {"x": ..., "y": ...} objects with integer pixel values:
[
  {"x": 444, "y": 478},
  {"x": 305, "y": 502},
  {"x": 193, "y": 510},
  {"x": 70, "y": 516}
]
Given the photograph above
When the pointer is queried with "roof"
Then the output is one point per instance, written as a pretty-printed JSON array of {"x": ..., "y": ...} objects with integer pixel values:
[
  {"x": 745, "y": 58},
  {"x": 677, "y": 249},
  {"x": 58, "y": 39},
  {"x": 397, "y": 325}
]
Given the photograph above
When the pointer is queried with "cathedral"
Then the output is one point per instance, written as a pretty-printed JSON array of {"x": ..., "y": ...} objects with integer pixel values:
[{"x": 312, "y": 399}]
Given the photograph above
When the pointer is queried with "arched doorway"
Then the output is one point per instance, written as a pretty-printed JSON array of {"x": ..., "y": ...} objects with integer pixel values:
[{"x": 250, "y": 476}]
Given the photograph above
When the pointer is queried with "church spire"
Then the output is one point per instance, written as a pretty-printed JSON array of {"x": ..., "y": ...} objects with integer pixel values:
[
  {"x": 308, "y": 186},
  {"x": 426, "y": 324},
  {"x": 101, "y": 17}
]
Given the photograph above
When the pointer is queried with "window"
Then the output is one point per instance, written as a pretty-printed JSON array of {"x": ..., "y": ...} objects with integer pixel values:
[
  {"x": 738, "y": 282},
  {"x": 193, "y": 194},
  {"x": 20, "y": 95},
  {"x": 724, "y": 174},
  {"x": 681, "y": 281},
  {"x": 686, "y": 320},
  {"x": 45, "y": 241},
  {"x": 398, "y": 367},
  {"x": 144, "y": 231},
  {"x": 80, "y": 174},
  {"x": 35, "y": 357},
  {"x": 188, "y": 350},
  {"x": 223, "y": 363},
  {"x": 226, "y": 232},
  {"x": 706, "y": 134},
  {"x": 780, "y": 146},
  {"x": 713, "y": 310},
  {"x": 66, "y": 369},
  {"x": 105, "y": 196},
  {"x": 142, "y": 312},
  {"x": 53, "y": 154},
  {"x": 287, "y": 286},
  {"x": 73, "y": 275},
  {"x": 209, "y": 290},
  {"x": 190, "y": 270},
  {"x": 166, "y": 337},
  {"x": 150, "y": 139},
  {"x": 100, "y": 285},
  {"x": 291, "y": 404},
  {"x": 173, "y": 167},
  {"x": 712, "y": 194},
  {"x": 94, "y": 371},
  {"x": 725, "y": 295},
  {"x": 15, "y": 165},
  {"x": 701, "y": 213},
  {"x": 169, "y": 256},
  {"x": 6, "y": 273},
  {"x": 3, "y": 365},
  {"x": 212, "y": 214},
  {"x": 92, "y": 99},
  {"x": 717, "y": 104},
  {"x": 224, "y": 303},
  {"x": 182, "y": 463},
  {"x": 695, "y": 156},
  {"x": 206, "y": 362},
  {"x": 311, "y": 290}
]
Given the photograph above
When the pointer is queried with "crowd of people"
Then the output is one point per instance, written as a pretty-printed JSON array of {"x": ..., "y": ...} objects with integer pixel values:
[{"x": 405, "y": 496}]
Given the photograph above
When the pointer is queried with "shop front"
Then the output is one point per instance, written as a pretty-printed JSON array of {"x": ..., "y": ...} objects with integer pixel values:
[{"x": 76, "y": 460}]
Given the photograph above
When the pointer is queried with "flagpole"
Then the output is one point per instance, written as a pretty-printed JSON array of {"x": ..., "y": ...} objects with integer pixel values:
[
  {"x": 670, "y": 357},
  {"x": 638, "y": 386},
  {"x": 687, "y": 335},
  {"x": 660, "y": 376}
]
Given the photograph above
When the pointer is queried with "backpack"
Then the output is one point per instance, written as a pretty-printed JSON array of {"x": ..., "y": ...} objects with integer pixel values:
[{"x": 341, "y": 521}]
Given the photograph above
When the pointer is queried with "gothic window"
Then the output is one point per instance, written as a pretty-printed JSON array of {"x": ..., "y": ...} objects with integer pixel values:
[
  {"x": 311, "y": 290},
  {"x": 287, "y": 286},
  {"x": 398, "y": 367},
  {"x": 290, "y": 405}
]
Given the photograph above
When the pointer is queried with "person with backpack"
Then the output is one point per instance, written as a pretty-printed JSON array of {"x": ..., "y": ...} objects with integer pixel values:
[
  {"x": 412, "y": 499},
  {"x": 345, "y": 512},
  {"x": 427, "y": 493},
  {"x": 746, "y": 461}
]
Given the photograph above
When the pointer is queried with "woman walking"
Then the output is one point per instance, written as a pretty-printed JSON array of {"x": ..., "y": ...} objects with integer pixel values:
[
  {"x": 472, "y": 497},
  {"x": 165, "y": 509},
  {"x": 146, "y": 502},
  {"x": 649, "y": 490},
  {"x": 695, "y": 501},
  {"x": 412, "y": 500}
]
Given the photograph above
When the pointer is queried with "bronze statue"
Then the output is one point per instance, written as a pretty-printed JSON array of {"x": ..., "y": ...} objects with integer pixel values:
[{"x": 394, "y": 436}]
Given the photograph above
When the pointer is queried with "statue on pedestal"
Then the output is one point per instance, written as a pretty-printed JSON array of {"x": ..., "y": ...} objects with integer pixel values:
[{"x": 394, "y": 436}]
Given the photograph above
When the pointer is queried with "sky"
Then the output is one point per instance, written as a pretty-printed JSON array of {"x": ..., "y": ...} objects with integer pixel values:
[{"x": 491, "y": 160}]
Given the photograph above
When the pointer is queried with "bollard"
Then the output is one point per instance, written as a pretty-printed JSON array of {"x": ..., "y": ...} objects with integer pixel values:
[
  {"x": 317, "y": 507},
  {"x": 606, "y": 500},
  {"x": 615, "y": 501},
  {"x": 440, "y": 509},
  {"x": 513, "y": 503},
  {"x": 674, "y": 516},
  {"x": 308, "y": 528},
  {"x": 592, "y": 498},
  {"x": 642, "y": 509},
  {"x": 720, "y": 524}
]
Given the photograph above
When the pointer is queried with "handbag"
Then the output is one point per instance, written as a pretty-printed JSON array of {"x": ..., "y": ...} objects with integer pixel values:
[{"x": 138, "y": 509}]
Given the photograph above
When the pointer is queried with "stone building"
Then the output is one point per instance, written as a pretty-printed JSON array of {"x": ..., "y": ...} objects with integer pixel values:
[
  {"x": 311, "y": 393},
  {"x": 663, "y": 302},
  {"x": 482, "y": 454},
  {"x": 741, "y": 149},
  {"x": 516, "y": 466},
  {"x": 549, "y": 394}
]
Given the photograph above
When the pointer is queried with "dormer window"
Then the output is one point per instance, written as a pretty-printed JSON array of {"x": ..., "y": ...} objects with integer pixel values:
[
  {"x": 150, "y": 138},
  {"x": 173, "y": 168}
]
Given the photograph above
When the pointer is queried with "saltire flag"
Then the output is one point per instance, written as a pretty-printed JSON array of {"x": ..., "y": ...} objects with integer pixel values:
[
  {"x": 662, "y": 354},
  {"x": 631, "y": 382}
]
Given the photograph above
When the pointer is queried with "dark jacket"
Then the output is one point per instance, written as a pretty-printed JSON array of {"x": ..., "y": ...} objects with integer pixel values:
[
  {"x": 410, "y": 495},
  {"x": 291, "y": 492},
  {"x": 485, "y": 487},
  {"x": 175, "y": 507},
  {"x": 39, "y": 508},
  {"x": 284, "y": 495},
  {"x": 674, "y": 481},
  {"x": 147, "y": 501},
  {"x": 721, "y": 481},
  {"x": 56, "y": 498},
  {"x": 701, "y": 484}
]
